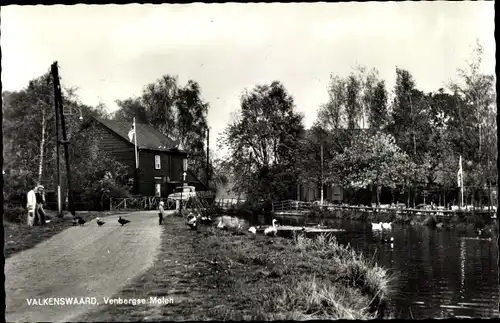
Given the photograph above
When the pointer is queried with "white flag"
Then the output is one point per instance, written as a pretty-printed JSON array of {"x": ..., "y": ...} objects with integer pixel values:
[
  {"x": 460, "y": 173},
  {"x": 131, "y": 133}
]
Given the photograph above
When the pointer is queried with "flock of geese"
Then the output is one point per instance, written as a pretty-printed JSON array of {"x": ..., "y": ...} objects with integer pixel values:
[
  {"x": 78, "y": 220},
  {"x": 192, "y": 221},
  {"x": 381, "y": 226},
  {"x": 269, "y": 231}
]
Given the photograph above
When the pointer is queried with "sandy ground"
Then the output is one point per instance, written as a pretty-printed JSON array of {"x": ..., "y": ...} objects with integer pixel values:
[{"x": 87, "y": 261}]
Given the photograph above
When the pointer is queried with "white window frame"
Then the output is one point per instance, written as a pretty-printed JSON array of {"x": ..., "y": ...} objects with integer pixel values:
[
  {"x": 157, "y": 189},
  {"x": 157, "y": 162}
]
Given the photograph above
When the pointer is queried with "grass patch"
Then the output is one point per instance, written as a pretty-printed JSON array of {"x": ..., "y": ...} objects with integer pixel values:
[
  {"x": 320, "y": 298},
  {"x": 18, "y": 236},
  {"x": 218, "y": 275}
]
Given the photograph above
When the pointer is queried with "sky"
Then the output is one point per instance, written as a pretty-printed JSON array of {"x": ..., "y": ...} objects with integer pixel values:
[{"x": 111, "y": 52}]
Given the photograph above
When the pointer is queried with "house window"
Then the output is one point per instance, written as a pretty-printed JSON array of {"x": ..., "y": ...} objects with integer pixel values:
[
  {"x": 158, "y": 189},
  {"x": 157, "y": 162}
]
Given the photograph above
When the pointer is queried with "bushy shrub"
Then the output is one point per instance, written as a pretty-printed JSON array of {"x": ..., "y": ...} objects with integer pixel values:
[
  {"x": 99, "y": 193},
  {"x": 15, "y": 214},
  {"x": 249, "y": 208}
]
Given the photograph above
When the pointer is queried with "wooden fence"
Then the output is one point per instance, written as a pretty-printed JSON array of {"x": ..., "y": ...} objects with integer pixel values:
[
  {"x": 152, "y": 202},
  {"x": 228, "y": 203},
  {"x": 138, "y": 203},
  {"x": 305, "y": 207}
]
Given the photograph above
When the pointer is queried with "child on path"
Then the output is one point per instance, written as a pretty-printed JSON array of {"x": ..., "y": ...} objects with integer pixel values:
[{"x": 161, "y": 213}]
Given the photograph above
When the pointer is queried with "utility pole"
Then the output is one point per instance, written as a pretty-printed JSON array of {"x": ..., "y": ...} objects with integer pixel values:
[
  {"x": 64, "y": 141},
  {"x": 56, "y": 104},
  {"x": 208, "y": 159}
]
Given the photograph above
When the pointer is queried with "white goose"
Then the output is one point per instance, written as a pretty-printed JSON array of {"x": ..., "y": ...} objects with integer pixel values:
[
  {"x": 377, "y": 226},
  {"x": 192, "y": 222},
  {"x": 387, "y": 225},
  {"x": 221, "y": 225},
  {"x": 271, "y": 231},
  {"x": 253, "y": 230}
]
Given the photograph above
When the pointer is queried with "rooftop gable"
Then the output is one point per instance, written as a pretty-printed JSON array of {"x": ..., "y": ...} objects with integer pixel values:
[{"x": 147, "y": 136}]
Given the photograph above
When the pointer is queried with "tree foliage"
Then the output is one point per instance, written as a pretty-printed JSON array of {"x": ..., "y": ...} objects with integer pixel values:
[
  {"x": 176, "y": 111},
  {"x": 413, "y": 143},
  {"x": 264, "y": 142},
  {"x": 24, "y": 112},
  {"x": 374, "y": 161}
]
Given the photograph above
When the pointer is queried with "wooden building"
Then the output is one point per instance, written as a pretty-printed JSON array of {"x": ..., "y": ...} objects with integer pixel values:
[
  {"x": 161, "y": 161},
  {"x": 312, "y": 193}
]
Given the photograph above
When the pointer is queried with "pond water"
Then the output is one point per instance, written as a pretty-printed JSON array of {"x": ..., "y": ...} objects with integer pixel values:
[{"x": 441, "y": 274}]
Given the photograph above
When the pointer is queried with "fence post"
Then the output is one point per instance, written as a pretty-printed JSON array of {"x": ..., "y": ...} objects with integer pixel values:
[
  {"x": 110, "y": 204},
  {"x": 125, "y": 203}
]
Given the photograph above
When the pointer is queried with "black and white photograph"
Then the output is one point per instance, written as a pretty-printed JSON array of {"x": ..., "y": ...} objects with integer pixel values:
[{"x": 250, "y": 161}]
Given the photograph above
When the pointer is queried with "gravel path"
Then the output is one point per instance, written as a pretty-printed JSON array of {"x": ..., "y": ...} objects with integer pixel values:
[{"x": 87, "y": 261}]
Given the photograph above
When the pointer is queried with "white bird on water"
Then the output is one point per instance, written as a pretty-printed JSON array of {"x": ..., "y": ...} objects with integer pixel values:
[
  {"x": 252, "y": 230},
  {"x": 390, "y": 240},
  {"x": 387, "y": 225},
  {"x": 271, "y": 231},
  {"x": 377, "y": 226}
]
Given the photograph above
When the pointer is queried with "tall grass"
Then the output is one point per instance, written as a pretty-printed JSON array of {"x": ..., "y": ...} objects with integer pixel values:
[
  {"x": 322, "y": 298},
  {"x": 352, "y": 267},
  {"x": 300, "y": 278}
]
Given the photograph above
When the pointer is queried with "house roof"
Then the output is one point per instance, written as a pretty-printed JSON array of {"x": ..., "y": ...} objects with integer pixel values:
[{"x": 147, "y": 136}]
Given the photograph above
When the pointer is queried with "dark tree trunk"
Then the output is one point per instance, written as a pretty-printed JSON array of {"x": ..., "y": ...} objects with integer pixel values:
[
  {"x": 414, "y": 196},
  {"x": 408, "y": 197}
]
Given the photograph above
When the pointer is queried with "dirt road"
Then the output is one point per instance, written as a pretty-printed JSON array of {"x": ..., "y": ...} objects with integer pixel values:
[{"x": 87, "y": 261}]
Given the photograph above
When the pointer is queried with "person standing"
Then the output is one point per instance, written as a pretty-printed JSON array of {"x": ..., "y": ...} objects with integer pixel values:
[
  {"x": 161, "y": 213},
  {"x": 40, "y": 200},
  {"x": 31, "y": 206}
]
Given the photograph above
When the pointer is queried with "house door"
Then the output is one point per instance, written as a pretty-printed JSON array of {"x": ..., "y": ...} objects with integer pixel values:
[{"x": 158, "y": 189}]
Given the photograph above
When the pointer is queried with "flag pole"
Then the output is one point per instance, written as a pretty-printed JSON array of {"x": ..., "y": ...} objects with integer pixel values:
[
  {"x": 136, "y": 160},
  {"x": 461, "y": 183},
  {"x": 462, "y": 180}
]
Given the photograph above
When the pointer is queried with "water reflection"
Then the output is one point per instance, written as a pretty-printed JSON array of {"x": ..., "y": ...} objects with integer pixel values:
[
  {"x": 441, "y": 274},
  {"x": 462, "y": 267}
]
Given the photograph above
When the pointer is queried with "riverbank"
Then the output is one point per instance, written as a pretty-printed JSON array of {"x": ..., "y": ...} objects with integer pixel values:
[
  {"x": 462, "y": 222},
  {"x": 211, "y": 274},
  {"x": 18, "y": 236}
]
